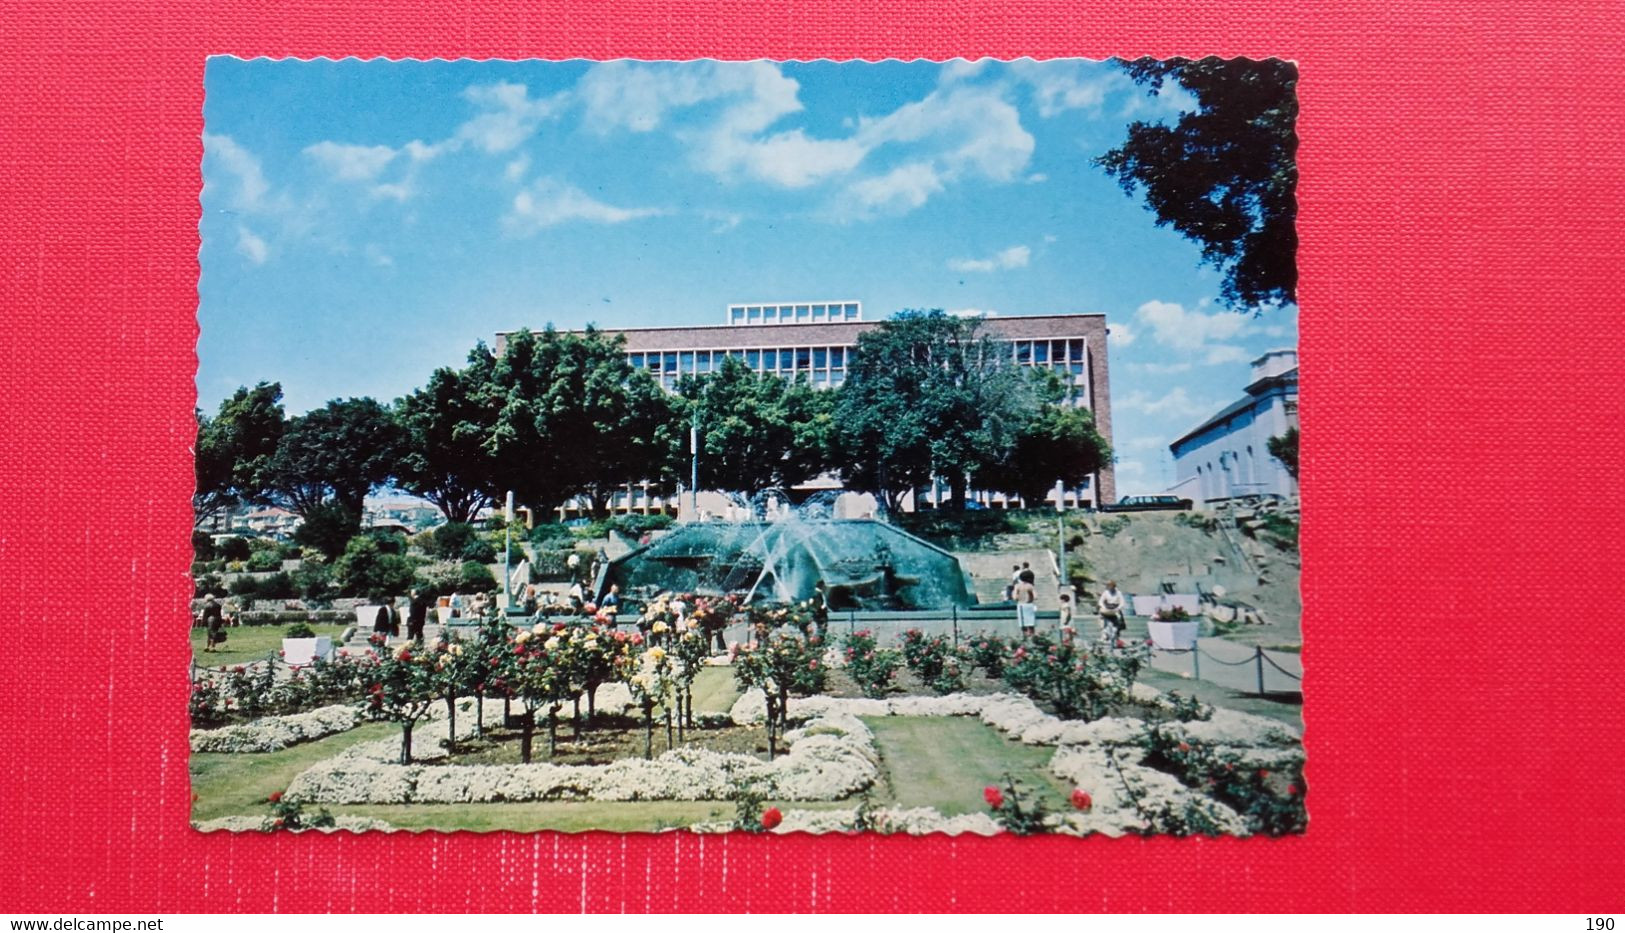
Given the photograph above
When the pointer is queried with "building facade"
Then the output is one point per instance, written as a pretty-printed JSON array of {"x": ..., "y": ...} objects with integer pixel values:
[
  {"x": 816, "y": 340},
  {"x": 1227, "y": 456}
]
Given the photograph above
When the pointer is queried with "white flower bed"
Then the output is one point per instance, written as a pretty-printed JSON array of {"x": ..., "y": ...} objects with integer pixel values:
[
  {"x": 829, "y": 758},
  {"x": 274, "y": 733}
]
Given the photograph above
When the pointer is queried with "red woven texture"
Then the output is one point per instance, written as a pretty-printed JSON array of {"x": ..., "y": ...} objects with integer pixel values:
[{"x": 1463, "y": 506}]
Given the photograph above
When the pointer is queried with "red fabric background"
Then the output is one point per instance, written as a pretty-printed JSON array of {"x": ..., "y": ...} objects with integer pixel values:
[{"x": 1461, "y": 372}]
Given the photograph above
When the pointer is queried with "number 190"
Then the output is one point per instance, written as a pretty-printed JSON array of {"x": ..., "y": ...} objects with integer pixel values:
[{"x": 1599, "y": 923}]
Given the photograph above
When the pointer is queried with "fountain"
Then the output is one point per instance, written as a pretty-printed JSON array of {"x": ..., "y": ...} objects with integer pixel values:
[{"x": 769, "y": 550}]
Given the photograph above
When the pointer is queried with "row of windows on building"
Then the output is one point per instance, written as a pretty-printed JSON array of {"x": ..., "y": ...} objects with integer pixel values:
[
  {"x": 826, "y": 366},
  {"x": 793, "y": 314}
]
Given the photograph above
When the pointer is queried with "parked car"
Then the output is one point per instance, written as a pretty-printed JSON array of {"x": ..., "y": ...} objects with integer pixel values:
[{"x": 1148, "y": 504}]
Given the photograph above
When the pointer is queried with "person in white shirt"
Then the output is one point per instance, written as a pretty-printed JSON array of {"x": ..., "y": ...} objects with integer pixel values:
[{"x": 1110, "y": 607}]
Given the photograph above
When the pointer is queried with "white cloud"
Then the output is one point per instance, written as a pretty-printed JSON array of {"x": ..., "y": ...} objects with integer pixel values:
[
  {"x": 1176, "y": 402},
  {"x": 548, "y": 202},
  {"x": 1225, "y": 353},
  {"x": 516, "y": 169},
  {"x": 1176, "y": 327},
  {"x": 973, "y": 312},
  {"x": 377, "y": 256},
  {"x": 1016, "y": 257},
  {"x": 348, "y": 162},
  {"x": 508, "y": 116},
  {"x": 252, "y": 246},
  {"x": 250, "y": 187},
  {"x": 1120, "y": 335},
  {"x": 956, "y": 131},
  {"x": 1061, "y": 86},
  {"x": 901, "y": 190}
]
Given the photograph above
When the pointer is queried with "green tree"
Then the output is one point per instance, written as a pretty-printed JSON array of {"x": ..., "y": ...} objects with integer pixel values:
[
  {"x": 758, "y": 431},
  {"x": 336, "y": 455},
  {"x": 1285, "y": 449},
  {"x": 448, "y": 427},
  {"x": 571, "y": 418},
  {"x": 929, "y": 394},
  {"x": 1058, "y": 443},
  {"x": 234, "y": 448},
  {"x": 1225, "y": 175},
  {"x": 365, "y": 570}
]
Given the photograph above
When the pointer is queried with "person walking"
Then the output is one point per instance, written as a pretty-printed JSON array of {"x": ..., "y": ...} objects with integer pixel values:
[
  {"x": 1015, "y": 577},
  {"x": 1026, "y": 596},
  {"x": 417, "y": 614},
  {"x": 1110, "y": 606},
  {"x": 214, "y": 623},
  {"x": 381, "y": 624}
]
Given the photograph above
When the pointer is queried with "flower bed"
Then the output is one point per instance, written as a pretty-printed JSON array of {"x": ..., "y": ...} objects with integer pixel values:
[
  {"x": 274, "y": 733},
  {"x": 829, "y": 758}
]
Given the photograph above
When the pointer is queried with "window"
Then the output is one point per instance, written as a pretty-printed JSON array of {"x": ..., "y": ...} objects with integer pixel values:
[
  {"x": 702, "y": 361},
  {"x": 670, "y": 363},
  {"x": 1075, "y": 349},
  {"x": 737, "y": 316},
  {"x": 1057, "y": 351},
  {"x": 1024, "y": 351},
  {"x": 737, "y": 354},
  {"x": 755, "y": 315},
  {"x": 820, "y": 358},
  {"x": 851, "y": 312},
  {"x": 636, "y": 359},
  {"x": 818, "y": 309},
  {"x": 753, "y": 359},
  {"x": 818, "y": 314},
  {"x": 803, "y": 313},
  {"x": 787, "y": 359},
  {"x": 685, "y": 362},
  {"x": 1041, "y": 352},
  {"x": 837, "y": 357},
  {"x": 803, "y": 358}
]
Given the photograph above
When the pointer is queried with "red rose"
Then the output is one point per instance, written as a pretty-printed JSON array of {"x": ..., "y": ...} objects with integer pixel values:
[
  {"x": 237, "y": 670},
  {"x": 812, "y": 665},
  {"x": 278, "y": 824},
  {"x": 1292, "y": 790},
  {"x": 993, "y": 796},
  {"x": 1184, "y": 746},
  {"x": 1262, "y": 774},
  {"x": 1150, "y": 642},
  {"x": 1081, "y": 800},
  {"x": 275, "y": 796},
  {"x": 771, "y": 817},
  {"x": 1120, "y": 643}
]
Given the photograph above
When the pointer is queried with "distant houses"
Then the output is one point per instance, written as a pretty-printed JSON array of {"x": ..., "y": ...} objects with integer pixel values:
[{"x": 1227, "y": 456}]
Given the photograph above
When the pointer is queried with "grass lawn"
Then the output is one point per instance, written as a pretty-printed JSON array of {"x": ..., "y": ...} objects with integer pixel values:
[
  {"x": 945, "y": 761},
  {"x": 232, "y": 784},
  {"x": 715, "y": 690},
  {"x": 250, "y": 643}
]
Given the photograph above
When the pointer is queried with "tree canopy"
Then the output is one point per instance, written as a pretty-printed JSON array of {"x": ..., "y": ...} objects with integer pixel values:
[
  {"x": 570, "y": 417},
  {"x": 757, "y": 430},
  {"x": 929, "y": 394},
  {"x": 1285, "y": 449},
  {"x": 448, "y": 425},
  {"x": 336, "y": 454},
  {"x": 235, "y": 447},
  {"x": 1225, "y": 174}
]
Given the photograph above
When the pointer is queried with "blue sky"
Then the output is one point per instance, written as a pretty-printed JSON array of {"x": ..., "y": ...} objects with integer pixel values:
[{"x": 366, "y": 222}]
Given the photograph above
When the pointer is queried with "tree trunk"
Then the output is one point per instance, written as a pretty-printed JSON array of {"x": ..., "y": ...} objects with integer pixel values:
[
  {"x": 592, "y": 707},
  {"x": 648, "y": 731},
  {"x": 406, "y": 742},
  {"x": 552, "y": 730},
  {"x": 528, "y": 726},
  {"x": 479, "y": 713},
  {"x": 669, "y": 742},
  {"x": 958, "y": 488},
  {"x": 451, "y": 724},
  {"x": 575, "y": 720}
]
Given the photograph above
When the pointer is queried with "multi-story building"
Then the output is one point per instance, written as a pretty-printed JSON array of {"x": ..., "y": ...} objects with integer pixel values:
[
  {"x": 817, "y": 339},
  {"x": 1227, "y": 456}
]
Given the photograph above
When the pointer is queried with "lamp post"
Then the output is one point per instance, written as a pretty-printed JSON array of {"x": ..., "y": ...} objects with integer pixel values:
[
  {"x": 694, "y": 464},
  {"x": 507, "y": 550}
]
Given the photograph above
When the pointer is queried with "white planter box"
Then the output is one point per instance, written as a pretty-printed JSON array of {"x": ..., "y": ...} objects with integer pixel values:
[
  {"x": 443, "y": 613},
  {"x": 302, "y": 651},
  {"x": 1173, "y": 636}
]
